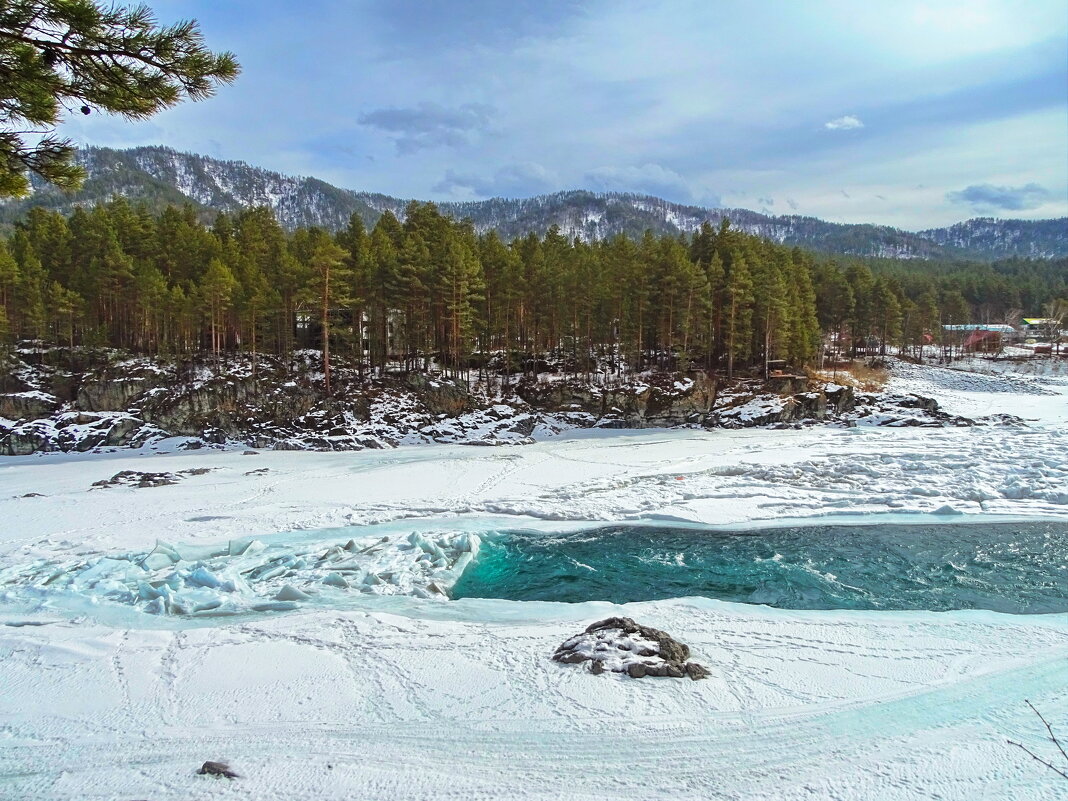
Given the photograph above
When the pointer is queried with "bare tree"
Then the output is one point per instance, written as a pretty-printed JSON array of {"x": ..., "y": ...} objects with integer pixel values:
[
  {"x": 1055, "y": 311},
  {"x": 1052, "y": 737}
]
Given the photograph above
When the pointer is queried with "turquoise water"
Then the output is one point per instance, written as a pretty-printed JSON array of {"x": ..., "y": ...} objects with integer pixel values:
[{"x": 1006, "y": 567}]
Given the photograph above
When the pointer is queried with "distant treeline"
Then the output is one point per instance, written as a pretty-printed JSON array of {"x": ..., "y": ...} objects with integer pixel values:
[{"x": 403, "y": 293}]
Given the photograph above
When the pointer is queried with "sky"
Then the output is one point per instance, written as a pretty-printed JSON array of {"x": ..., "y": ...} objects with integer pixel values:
[{"x": 905, "y": 113}]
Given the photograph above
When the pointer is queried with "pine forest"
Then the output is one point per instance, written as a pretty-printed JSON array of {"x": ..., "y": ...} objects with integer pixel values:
[{"x": 428, "y": 292}]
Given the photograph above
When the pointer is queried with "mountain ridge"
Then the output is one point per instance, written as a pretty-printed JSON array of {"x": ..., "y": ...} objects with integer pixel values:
[{"x": 159, "y": 176}]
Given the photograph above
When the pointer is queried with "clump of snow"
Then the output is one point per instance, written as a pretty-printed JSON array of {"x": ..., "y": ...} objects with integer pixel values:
[{"x": 759, "y": 408}]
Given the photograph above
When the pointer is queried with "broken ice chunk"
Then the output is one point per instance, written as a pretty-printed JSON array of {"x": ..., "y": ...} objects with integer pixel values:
[
  {"x": 202, "y": 577},
  {"x": 291, "y": 593},
  {"x": 274, "y": 606},
  {"x": 160, "y": 557},
  {"x": 245, "y": 547}
]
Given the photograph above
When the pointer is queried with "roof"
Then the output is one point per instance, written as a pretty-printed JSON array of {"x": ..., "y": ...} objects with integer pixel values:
[
  {"x": 1038, "y": 320},
  {"x": 1000, "y": 329}
]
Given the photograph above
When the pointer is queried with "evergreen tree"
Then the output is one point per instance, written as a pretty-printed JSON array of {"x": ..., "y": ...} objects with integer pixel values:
[
  {"x": 65, "y": 54},
  {"x": 217, "y": 291},
  {"x": 739, "y": 296},
  {"x": 9, "y": 279},
  {"x": 330, "y": 283}
]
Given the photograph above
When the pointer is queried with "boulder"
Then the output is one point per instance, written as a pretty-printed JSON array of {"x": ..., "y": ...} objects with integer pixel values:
[
  {"x": 28, "y": 405},
  {"x": 441, "y": 395},
  {"x": 211, "y": 768},
  {"x": 620, "y": 645},
  {"x": 786, "y": 384}
]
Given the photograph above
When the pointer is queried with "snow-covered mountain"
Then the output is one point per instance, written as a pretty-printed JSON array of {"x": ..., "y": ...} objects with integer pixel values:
[
  {"x": 1030, "y": 238},
  {"x": 159, "y": 176}
]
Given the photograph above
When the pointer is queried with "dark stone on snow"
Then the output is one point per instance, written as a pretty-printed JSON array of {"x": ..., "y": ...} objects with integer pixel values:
[
  {"x": 696, "y": 671},
  {"x": 667, "y": 661},
  {"x": 670, "y": 648},
  {"x": 570, "y": 657},
  {"x": 135, "y": 478},
  {"x": 210, "y": 768}
]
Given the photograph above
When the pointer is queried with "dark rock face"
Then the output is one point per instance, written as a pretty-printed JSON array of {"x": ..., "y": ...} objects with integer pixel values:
[
  {"x": 27, "y": 405},
  {"x": 104, "y": 393},
  {"x": 786, "y": 384},
  {"x": 620, "y": 645},
  {"x": 661, "y": 402},
  {"x": 441, "y": 396},
  {"x": 67, "y": 402}
]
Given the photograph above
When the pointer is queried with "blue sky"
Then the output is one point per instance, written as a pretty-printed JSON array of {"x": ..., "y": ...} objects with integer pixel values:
[{"x": 907, "y": 113}]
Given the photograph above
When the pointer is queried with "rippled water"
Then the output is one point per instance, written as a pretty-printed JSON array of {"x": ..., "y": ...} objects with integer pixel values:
[{"x": 1006, "y": 567}]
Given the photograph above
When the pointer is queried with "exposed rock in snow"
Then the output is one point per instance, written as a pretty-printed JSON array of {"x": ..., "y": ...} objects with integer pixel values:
[
  {"x": 136, "y": 478},
  {"x": 210, "y": 768},
  {"x": 282, "y": 406},
  {"x": 619, "y": 645}
]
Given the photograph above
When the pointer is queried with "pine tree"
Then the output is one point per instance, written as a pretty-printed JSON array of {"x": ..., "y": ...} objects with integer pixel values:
[
  {"x": 886, "y": 311},
  {"x": 64, "y": 54},
  {"x": 9, "y": 279},
  {"x": 739, "y": 296},
  {"x": 330, "y": 283},
  {"x": 387, "y": 239},
  {"x": 357, "y": 245},
  {"x": 217, "y": 290},
  {"x": 804, "y": 335},
  {"x": 463, "y": 278},
  {"x": 63, "y": 305}
]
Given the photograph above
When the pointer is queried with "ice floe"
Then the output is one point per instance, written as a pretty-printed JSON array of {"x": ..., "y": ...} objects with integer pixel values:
[{"x": 250, "y": 575}]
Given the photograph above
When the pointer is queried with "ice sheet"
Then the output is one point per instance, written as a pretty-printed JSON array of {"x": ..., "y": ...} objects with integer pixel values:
[{"x": 405, "y": 698}]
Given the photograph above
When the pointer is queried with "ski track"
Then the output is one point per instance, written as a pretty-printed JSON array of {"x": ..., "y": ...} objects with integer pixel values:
[{"x": 407, "y": 699}]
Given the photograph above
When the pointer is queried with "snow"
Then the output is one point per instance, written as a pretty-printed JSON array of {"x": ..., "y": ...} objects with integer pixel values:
[
  {"x": 335, "y": 693},
  {"x": 754, "y": 409}
]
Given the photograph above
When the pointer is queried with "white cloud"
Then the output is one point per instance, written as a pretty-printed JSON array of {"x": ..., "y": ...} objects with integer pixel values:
[
  {"x": 987, "y": 197},
  {"x": 512, "y": 180},
  {"x": 846, "y": 123},
  {"x": 429, "y": 124},
  {"x": 653, "y": 179}
]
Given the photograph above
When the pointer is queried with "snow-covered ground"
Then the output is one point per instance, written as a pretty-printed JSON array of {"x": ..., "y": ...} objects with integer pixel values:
[{"x": 393, "y": 695}]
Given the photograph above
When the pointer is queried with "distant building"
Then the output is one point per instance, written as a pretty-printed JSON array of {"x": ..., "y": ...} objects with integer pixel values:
[
  {"x": 1036, "y": 326},
  {"x": 982, "y": 337}
]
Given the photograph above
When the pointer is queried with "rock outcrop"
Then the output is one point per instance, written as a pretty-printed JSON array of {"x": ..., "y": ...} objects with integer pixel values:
[
  {"x": 620, "y": 645},
  {"x": 272, "y": 403}
]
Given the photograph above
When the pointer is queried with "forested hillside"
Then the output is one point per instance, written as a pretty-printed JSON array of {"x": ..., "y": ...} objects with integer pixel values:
[
  {"x": 158, "y": 176},
  {"x": 431, "y": 288}
]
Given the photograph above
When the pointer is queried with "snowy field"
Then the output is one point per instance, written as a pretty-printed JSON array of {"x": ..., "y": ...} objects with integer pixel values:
[{"x": 108, "y": 694}]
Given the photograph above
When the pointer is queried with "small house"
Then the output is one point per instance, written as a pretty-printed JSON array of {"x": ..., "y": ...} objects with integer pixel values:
[{"x": 981, "y": 337}]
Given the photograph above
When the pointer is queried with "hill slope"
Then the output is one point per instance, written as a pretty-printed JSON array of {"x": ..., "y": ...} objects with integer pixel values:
[{"x": 158, "y": 176}]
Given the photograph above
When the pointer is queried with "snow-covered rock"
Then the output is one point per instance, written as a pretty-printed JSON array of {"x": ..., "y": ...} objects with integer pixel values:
[{"x": 619, "y": 645}]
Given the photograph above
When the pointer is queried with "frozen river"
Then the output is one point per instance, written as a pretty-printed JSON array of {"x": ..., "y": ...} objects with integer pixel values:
[{"x": 114, "y": 687}]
